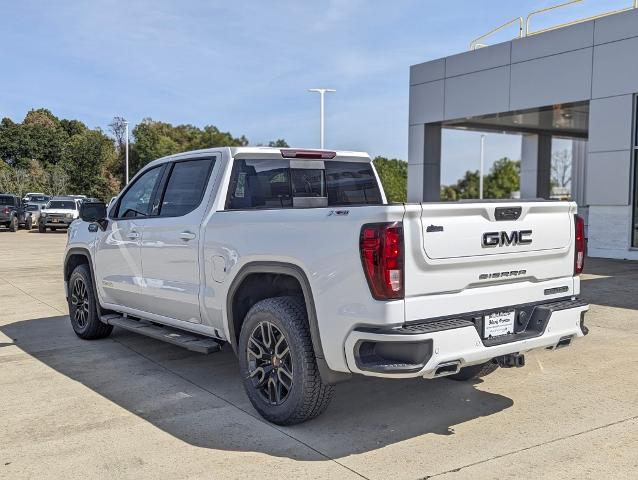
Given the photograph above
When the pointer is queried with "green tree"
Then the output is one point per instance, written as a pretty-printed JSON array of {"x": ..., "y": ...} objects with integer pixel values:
[
  {"x": 279, "y": 143},
  {"x": 40, "y": 137},
  {"x": 502, "y": 180},
  {"x": 155, "y": 139},
  {"x": 91, "y": 158},
  {"x": 73, "y": 127},
  {"x": 394, "y": 178}
]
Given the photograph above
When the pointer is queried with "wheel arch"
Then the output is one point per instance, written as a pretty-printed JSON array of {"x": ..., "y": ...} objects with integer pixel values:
[{"x": 297, "y": 273}]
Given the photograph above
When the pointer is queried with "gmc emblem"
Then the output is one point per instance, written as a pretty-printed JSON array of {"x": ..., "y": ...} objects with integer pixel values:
[{"x": 503, "y": 239}]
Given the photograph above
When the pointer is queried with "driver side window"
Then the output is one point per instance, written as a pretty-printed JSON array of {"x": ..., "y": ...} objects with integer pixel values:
[{"x": 136, "y": 201}]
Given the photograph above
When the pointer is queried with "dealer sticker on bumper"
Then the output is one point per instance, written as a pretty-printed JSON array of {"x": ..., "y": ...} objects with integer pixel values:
[{"x": 499, "y": 323}]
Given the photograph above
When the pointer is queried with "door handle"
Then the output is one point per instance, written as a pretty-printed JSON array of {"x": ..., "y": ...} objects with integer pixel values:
[
  {"x": 186, "y": 236},
  {"x": 133, "y": 235}
]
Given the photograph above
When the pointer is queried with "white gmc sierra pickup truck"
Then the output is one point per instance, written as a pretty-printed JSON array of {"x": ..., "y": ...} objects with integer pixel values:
[{"x": 295, "y": 259}]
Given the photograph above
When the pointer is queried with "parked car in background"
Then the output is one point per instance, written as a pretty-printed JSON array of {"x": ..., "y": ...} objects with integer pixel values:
[
  {"x": 35, "y": 209},
  {"x": 59, "y": 213},
  {"x": 40, "y": 198},
  {"x": 13, "y": 215}
]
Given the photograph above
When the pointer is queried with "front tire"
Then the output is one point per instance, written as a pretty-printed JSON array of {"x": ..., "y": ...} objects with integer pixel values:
[
  {"x": 83, "y": 306},
  {"x": 278, "y": 364},
  {"x": 13, "y": 224},
  {"x": 474, "y": 371},
  {"x": 42, "y": 228}
]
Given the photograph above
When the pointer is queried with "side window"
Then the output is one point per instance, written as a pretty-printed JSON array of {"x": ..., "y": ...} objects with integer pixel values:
[
  {"x": 259, "y": 184},
  {"x": 136, "y": 201},
  {"x": 352, "y": 183},
  {"x": 185, "y": 187}
]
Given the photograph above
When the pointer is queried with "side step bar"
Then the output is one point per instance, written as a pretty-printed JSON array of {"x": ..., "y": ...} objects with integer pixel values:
[{"x": 192, "y": 342}]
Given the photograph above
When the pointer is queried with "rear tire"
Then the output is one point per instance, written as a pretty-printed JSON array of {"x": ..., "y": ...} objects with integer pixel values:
[
  {"x": 474, "y": 371},
  {"x": 42, "y": 228},
  {"x": 13, "y": 224},
  {"x": 278, "y": 364},
  {"x": 85, "y": 320},
  {"x": 53, "y": 229}
]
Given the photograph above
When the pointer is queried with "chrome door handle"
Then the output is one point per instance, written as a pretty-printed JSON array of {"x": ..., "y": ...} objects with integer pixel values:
[
  {"x": 186, "y": 236},
  {"x": 133, "y": 235}
]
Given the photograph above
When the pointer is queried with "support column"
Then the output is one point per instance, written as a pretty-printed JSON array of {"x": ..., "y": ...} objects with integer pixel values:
[
  {"x": 579, "y": 160},
  {"x": 432, "y": 163},
  {"x": 424, "y": 163},
  {"x": 536, "y": 163}
]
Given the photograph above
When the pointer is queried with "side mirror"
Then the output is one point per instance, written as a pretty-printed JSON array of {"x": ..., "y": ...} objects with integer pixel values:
[{"x": 92, "y": 211}]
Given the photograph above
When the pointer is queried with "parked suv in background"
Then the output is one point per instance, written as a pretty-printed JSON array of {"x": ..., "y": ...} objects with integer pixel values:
[
  {"x": 13, "y": 213},
  {"x": 59, "y": 213},
  {"x": 296, "y": 259},
  {"x": 39, "y": 198},
  {"x": 35, "y": 209}
]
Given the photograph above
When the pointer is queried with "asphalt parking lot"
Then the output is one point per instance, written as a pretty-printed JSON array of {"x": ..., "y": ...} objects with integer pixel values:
[{"x": 132, "y": 407}]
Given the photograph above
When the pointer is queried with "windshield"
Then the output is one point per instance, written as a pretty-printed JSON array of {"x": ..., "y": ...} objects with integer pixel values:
[
  {"x": 62, "y": 204},
  {"x": 5, "y": 200},
  {"x": 32, "y": 208},
  {"x": 38, "y": 198}
]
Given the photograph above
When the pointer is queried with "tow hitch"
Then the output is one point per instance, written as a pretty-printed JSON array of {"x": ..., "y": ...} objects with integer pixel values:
[{"x": 512, "y": 360}]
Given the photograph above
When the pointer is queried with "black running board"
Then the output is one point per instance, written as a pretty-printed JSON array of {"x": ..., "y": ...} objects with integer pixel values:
[{"x": 192, "y": 342}]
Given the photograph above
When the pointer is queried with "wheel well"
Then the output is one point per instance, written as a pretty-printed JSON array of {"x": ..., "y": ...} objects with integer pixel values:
[
  {"x": 256, "y": 287},
  {"x": 72, "y": 262}
]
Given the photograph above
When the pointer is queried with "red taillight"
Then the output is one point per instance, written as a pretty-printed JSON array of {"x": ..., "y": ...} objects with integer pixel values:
[
  {"x": 579, "y": 256},
  {"x": 7, "y": 210},
  {"x": 318, "y": 154},
  {"x": 381, "y": 248}
]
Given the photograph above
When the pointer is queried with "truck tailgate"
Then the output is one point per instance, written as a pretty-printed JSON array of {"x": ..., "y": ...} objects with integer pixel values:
[
  {"x": 457, "y": 231},
  {"x": 486, "y": 254}
]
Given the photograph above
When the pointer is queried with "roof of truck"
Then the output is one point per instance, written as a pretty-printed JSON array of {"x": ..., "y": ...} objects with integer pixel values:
[{"x": 261, "y": 152}]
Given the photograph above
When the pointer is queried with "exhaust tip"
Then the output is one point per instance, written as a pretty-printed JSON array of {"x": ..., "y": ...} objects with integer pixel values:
[
  {"x": 564, "y": 342},
  {"x": 448, "y": 368}
]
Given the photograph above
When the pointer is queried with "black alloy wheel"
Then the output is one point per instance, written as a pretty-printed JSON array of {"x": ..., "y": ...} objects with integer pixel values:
[
  {"x": 80, "y": 303},
  {"x": 83, "y": 306},
  {"x": 270, "y": 363}
]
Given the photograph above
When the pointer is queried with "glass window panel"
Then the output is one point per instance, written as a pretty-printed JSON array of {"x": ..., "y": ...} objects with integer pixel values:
[
  {"x": 136, "y": 201},
  {"x": 351, "y": 183},
  {"x": 185, "y": 187}
]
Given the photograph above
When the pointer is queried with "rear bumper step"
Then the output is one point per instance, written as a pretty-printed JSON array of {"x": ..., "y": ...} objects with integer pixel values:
[
  {"x": 194, "y": 343},
  {"x": 440, "y": 347}
]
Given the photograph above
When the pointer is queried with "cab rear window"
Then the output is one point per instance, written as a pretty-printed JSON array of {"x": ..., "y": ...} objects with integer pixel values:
[
  {"x": 352, "y": 183},
  {"x": 6, "y": 200},
  {"x": 265, "y": 183}
]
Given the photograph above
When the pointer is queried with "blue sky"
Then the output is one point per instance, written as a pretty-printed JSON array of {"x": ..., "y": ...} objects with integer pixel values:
[{"x": 245, "y": 65}]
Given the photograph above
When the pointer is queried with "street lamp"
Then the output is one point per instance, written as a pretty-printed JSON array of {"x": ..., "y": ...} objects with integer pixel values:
[
  {"x": 126, "y": 151},
  {"x": 321, "y": 92},
  {"x": 482, "y": 166}
]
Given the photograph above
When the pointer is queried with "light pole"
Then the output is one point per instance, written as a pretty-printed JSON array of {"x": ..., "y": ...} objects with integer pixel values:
[
  {"x": 322, "y": 92},
  {"x": 126, "y": 151},
  {"x": 482, "y": 166}
]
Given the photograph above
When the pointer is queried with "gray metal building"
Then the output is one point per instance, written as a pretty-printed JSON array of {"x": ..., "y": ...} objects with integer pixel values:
[{"x": 578, "y": 82}]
